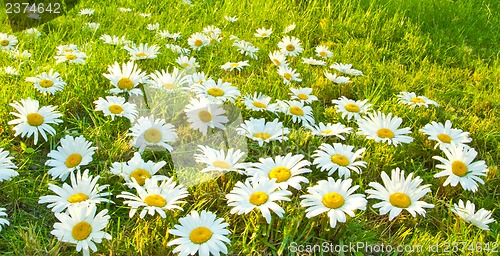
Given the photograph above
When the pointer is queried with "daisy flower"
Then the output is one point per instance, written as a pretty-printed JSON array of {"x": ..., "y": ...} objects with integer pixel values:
[
  {"x": 154, "y": 197},
  {"x": 152, "y": 133},
  {"x": 220, "y": 161},
  {"x": 72, "y": 58},
  {"x": 33, "y": 31},
  {"x": 214, "y": 34},
  {"x": 340, "y": 158},
  {"x": 167, "y": 34},
  {"x": 81, "y": 226},
  {"x": 323, "y": 52},
  {"x": 47, "y": 82},
  {"x": 468, "y": 213},
  {"x": 346, "y": 69},
  {"x": 188, "y": 63},
  {"x": 384, "y": 128},
  {"x": 177, "y": 49},
  {"x": 145, "y": 15},
  {"x": 66, "y": 48},
  {"x": 261, "y": 131},
  {"x": 126, "y": 79},
  {"x": 70, "y": 155},
  {"x": 278, "y": 58},
  {"x": 197, "y": 40},
  {"x": 114, "y": 40},
  {"x": 335, "y": 197},
  {"x": 235, "y": 65},
  {"x": 200, "y": 233},
  {"x": 410, "y": 98},
  {"x": 262, "y": 194},
  {"x": 287, "y": 170},
  {"x": 2, "y": 220},
  {"x": 444, "y": 135},
  {"x": 313, "y": 62},
  {"x": 337, "y": 79},
  {"x": 329, "y": 130},
  {"x": 231, "y": 18},
  {"x": 93, "y": 25},
  {"x": 9, "y": 70},
  {"x": 123, "y": 9},
  {"x": 289, "y": 28},
  {"x": 259, "y": 102},
  {"x": 289, "y": 74},
  {"x": 350, "y": 108},
  {"x": 216, "y": 92},
  {"x": 116, "y": 106},
  {"x": 142, "y": 52},
  {"x": 199, "y": 78},
  {"x": 33, "y": 119},
  {"x": 6, "y": 166},
  {"x": 175, "y": 81},
  {"x": 459, "y": 167},
  {"x": 290, "y": 46},
  {"x": 84, "y": 190},
  {"x": 303, "y": 94},
  {"x": 87, "y": 12},
  {"x": 399, "y": 193},
  {"x": 137, "y": 169},
  {"x": 201, "y": 114},
  {"x": 263, "y": 32},
  {"x": 298, "y": 111},
  {"x": 246, "y": 48},
  {"x": 7, "y": 42},
  {"x": 154, "y": 26},
  {"x": 20, "y": 55}
]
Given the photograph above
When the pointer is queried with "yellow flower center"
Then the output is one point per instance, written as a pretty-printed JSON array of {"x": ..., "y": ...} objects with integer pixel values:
[
  {"x": 296, "y": 111},
  {"x": 258, "y": 198},
  {"x": 262, "y": 135},
  {"x": 216, "y": 92},
  {"x": 70, "y": 56},
  {"x": 263, "y": 34},
  {"x": 340, "y": 160},
  {"x": 140, "y": 175},
  {"x": 277, "y": 62},
  {"x": 351, "y": 107},
  {"x": 125, "y": 84},
  {"x": 205, "y": 116},
  {"x": 459, "y": 168},
  {"x": 115, "y": 109},
  {"x": 445, "y": 138},
  {"x": 290, "y": 47},
  {"x": 46, "y": 83},
  {"x": 333, "y": 200},
  {"x": 4, "y": 42},
  {"x": 385, "y": 133},
  {"x": 73, "y": 160},
  {"x": 155, "y": 200},
  {"x": 281, "y": 173},
  {"x": 185, "y": 64},
  {"x": 34, "y": 119},
  {"x": 326, "y": 132},
  {"x": 200, "y": 235},
  {"x": 400, "y": 200},
  {"x": 78, "y": 197},
  {"x": 152, "y": 135},
  {"x": 288, "y": 76},
  {"x": 234, "y": 65},
  {"x": 141, "y": 54},
  {"x": 302, "y": 96},
  {"x": 81, "y": 231},
  {"x": 169, "y": 86},
  {"x": 221, "y": 164},
  {"x": 198, "y": 43},
  {"x": 322, "y": 54},
  {"x": 259, "y": 104},
  {"x": 417, "y": 100}
]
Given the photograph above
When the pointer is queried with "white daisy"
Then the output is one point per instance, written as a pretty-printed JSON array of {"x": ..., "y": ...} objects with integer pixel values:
[
  {"x": 235, "y": 65},
  {"x": 66, "y": 48},
  {"x": 410, "y": 98},
  {"x": 259, "y": 102},
  {"x": 334, "y": 197},
  {"x": 154, "y": 26},
  {"x": 137, "y": 169},
  {"x": 278, "y": 58},
  {"x": 340, "y": 158},
  {"x": 2, "y": 220},
  {"x": 289, "y": 74},
  {"x": 313, "y": 62},
  {"x": 167, "y": 34},
  {"x": 287, "y": 170},
  {"x": 33, "y": 31},
  {"x": 399, "y": 193},
  {"x": 214, "y": 34},
  {"x": 231, "y": 18},
  {"x": 188, "y": 63},
  {"x": 154, "y": 198},
  {"x": 33, "y": 120},
  {"x": 289, "y": 28},
  {"x": 198, "y": 40},
  {"x": 47, "y": 82},
  {"x": 384, "y": 128},
  {"x": 7, "y": 171},
  {"x": 323, "y": 52},
  {"x": 155, "y": 134},
  {"x": 7, "y": 42},
  {"x": 216, "y": 92},
  {"x": 114, "y": 40},
  {"x": 262, "y": 194},
  {"x": 290, "y": 46},
  {"x": 9, "y": 70},
  {"x": 329, "y": 129},
  {"x": 261, "y": 131},
  {"x": 177, "y": 49},
  {"x": 263, "y": 32},
  {"x": 123, "y": 9},
  {"x": 298, "y": 111},
  {"x": 444, "y": 135},
  {"x": 459, "y": 167},
  {"x": 72, "y": 58},
  {"x": 303, "y": 94},
  {"x": 337, "y": 79},
  {"x": 202, "y": 233},
  {"x": 220, "y": 161},
  {"x": 93, "y": 25},
  {"x": 175, "y": 81},
  {"x": 20, "y": 55},
  {"x": 201, "y": 114},
  {"x": 247, "y": 48},
  {"x": 199, "y": 78},
  {"x": 87, "y": 11},
  {"x": 350, "y": 108},
  {"x": 84, "y": 190},
  {"x": 346, "y": 69},
  {"x": 116, "y": 106},
  {"x": 468, "y": 213},
  {"x": 81, "y": 226},
  {"x": 142, "y": 52},
  {"x": 126, "y": 79},
  {"x": 145, "y": 15}
]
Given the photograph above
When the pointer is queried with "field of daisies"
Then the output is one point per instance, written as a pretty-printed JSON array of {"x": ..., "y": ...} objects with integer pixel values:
[{"x": 251, "y": 127}]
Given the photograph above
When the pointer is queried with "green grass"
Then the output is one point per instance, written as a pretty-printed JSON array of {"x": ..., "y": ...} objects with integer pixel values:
[{"x": 445, "y": 50}]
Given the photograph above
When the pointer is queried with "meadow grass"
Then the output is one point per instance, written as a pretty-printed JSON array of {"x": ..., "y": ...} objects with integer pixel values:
[{"x": 445, "y": 50}]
